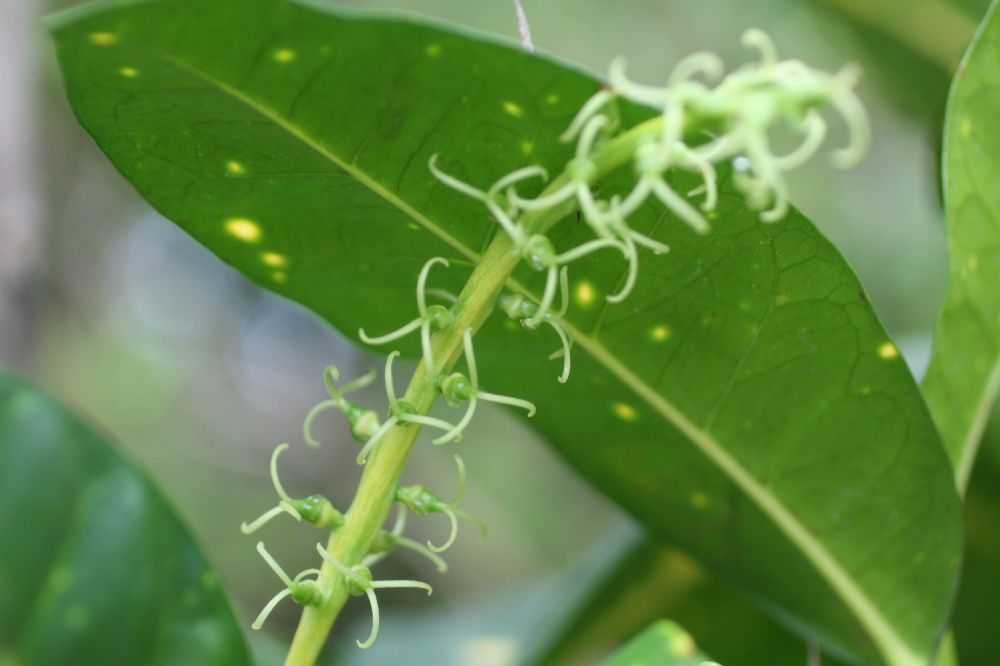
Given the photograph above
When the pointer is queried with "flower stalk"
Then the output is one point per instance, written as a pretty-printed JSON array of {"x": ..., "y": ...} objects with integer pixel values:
[{"x": 700, "y": 124}]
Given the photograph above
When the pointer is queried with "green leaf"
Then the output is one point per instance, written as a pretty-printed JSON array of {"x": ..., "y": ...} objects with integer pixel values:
[
  {"x": 663, "y": 643},
  {"x": 744, "y": 402},
  {"x": 650, "y": 580},
  {"x": 977, "y": 605},
  {"x": 964, "y": 373},
  {"x": 95, "y": 567}
]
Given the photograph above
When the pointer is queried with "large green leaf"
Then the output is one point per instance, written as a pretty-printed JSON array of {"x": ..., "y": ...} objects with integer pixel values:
[
  {"x": 964, "y": 373},
  {"x": 95, "y": 567},
  {"x": 744, "y": 402}
]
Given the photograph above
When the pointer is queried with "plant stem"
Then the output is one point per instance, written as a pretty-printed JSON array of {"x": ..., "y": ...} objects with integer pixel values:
[{"x": 377, "y": 489}]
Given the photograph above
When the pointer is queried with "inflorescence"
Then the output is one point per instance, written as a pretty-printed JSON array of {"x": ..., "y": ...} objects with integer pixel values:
[{"x": 704, "y": 119}]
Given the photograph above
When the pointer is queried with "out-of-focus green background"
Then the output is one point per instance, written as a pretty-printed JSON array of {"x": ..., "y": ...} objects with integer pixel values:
[{"x": 199, "y": 374}]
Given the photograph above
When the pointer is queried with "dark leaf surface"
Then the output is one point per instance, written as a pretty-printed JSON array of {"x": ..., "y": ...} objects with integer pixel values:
[
  {"x": 744, "y": 402},
  {"x": 95, "y": 567}
]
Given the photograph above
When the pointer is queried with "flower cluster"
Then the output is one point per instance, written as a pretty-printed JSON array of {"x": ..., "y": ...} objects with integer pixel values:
[
  {"x": 305, "y": 588},
  {"x": 703, "y": 119}
]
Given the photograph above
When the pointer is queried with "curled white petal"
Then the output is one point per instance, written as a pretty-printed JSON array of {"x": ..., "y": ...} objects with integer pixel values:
[
  {"x": 375, "y": 439},
  {"x": 373, "y": 602},
  {"x": 451, "y": 536},
  {"x": 815, "y": 131},
  {"x": 590, "y": 107},
  {"x": 267, "y": 516},
  {"x": 564, "y": 351},
  {"x": 454, "y": 183},
  {"x": 271, "y": 562},
  {"x": 509, "y": 401},
  {"x": 422, "y": 283},
  {"x": 389, "y": 337},
  {"x": 679, "y": 206},
  {"x": 455, "y": 432},
  {"x": 707, "y": 64},
  {"x": 755, "y": 38},
  {"x": 262, "y": 617}
]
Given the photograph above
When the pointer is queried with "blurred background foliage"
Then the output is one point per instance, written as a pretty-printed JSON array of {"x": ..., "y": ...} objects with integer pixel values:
[{"x": 199, "y": 374}]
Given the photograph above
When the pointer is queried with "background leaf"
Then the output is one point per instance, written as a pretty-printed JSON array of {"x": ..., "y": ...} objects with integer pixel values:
[
  {"x": 745, "y": 402},
  {"x": 964, "y": 373},
  {"x": 650, "y": 580},
  {"x": 95, "y": 568},
  {"x": 978, "y": 605},
  {"x": 663, "y": 643}
]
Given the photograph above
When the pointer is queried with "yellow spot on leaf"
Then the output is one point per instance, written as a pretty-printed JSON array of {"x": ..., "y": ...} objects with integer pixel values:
[
  {"x": 235, "y": 168},
  {"x": 551, "y": 99},
  {"x": 513, "y": 109},
  {"x": 888, "y": 351},
  {"x": 625, "y": 412},
  {"x": 103, "y": 38},
  {"x": 585, "y": 294},
  {"x": 244, "y": 229},
  {"x": 284, "y": 56},
  {"x": 780, "y": 299},
  {"x": 433, "y": 50},
  {"x": 699, "y": 500},
  {"x": 659, "y": 333},
  {"x": 526, "y": 147},
  {"x": 965, "y": 128},
  {"x": 274, "y": 259},
  {"x": 279, "y": 276},
  {"x": 973, "y": 262},
  {"x": 129, "y": 72}
]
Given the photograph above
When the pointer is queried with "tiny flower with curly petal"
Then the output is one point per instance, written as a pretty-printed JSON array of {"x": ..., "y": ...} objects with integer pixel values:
[
  {"x": 359, "y": 582},
  {"x": 314, "y": 509}
]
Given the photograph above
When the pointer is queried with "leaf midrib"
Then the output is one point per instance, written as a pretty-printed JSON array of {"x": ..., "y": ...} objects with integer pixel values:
[{"x": 891, "y": 644}]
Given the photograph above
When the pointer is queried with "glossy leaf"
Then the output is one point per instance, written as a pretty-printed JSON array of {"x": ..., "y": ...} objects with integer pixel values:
[
  {"x": 663, "y": 643},
  {"x": 95, "y": 567},
  {"x": 964, "y": 373},
  {"x": 744, "y": 402}
]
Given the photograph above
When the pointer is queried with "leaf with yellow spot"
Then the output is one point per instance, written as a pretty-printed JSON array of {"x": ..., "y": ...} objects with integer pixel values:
[{"x": 757, "y": 400}]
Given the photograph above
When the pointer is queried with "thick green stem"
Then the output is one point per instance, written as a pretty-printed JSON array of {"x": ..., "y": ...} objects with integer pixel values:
[{"x": 377, "y": 489}]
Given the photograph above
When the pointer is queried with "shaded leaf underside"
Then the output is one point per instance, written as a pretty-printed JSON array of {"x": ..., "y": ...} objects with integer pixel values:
[{"x": 95, "y": 568}]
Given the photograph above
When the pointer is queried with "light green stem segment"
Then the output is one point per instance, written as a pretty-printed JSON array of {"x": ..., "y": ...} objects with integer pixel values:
[{"x": 377, "y": 490}]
